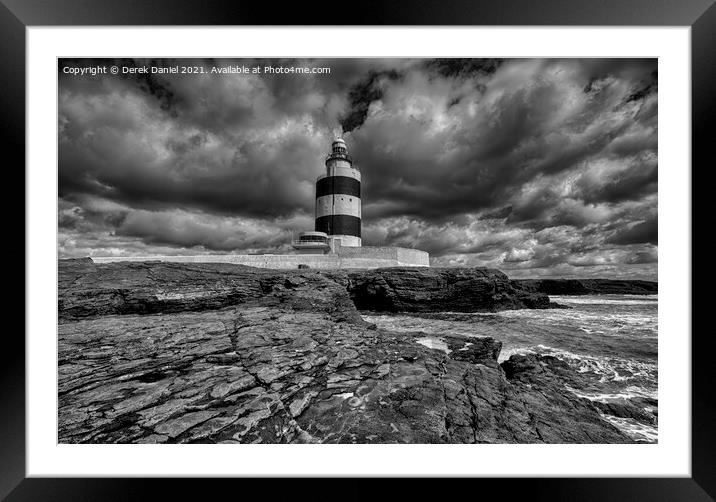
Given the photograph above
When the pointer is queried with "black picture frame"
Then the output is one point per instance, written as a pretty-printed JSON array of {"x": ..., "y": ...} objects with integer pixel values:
[{"x": 700, "y": 15}]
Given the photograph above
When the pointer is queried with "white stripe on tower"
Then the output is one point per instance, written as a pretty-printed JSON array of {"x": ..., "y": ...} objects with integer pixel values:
[{"x": 338, "y": 204}]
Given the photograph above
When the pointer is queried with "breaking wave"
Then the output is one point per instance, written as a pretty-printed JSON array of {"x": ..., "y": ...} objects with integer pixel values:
[
  {"x": 611, "y": 341},
  {"x": 634, "y": 429},
  {"x": 615, "y": 369}
]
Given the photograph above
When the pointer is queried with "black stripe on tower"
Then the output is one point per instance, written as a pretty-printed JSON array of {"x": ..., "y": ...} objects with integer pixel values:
[
  {"x": 338, "y": 184},
  {"x": 339, "y": 224}
]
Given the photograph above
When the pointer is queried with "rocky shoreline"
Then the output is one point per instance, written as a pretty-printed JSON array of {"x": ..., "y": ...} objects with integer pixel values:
[
  {"x": 587, "y": 286},
  {"x": 211, "y": 353},
  {"x": 87, "y": 289}
]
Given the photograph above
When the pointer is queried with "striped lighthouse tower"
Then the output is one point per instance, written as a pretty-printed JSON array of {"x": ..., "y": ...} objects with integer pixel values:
[{"x": 338, "y": 207}]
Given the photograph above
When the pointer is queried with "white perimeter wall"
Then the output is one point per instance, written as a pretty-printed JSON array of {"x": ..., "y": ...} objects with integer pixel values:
[{"x": 347, "y": 257}]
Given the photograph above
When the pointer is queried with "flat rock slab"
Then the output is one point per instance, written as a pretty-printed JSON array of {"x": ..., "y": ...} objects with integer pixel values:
[
  {"x": 254, "y": 374},
  {"x": 216, "y": 353}
]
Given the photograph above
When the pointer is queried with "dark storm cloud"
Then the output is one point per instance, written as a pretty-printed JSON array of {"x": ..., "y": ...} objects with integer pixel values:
[
  {"x": 89, "y": 213},
  {"x": 498, "y": 214},
  {"x": 644, "y": 232},
  {"x": 254, "y": 181},
  {"x": 637, "y": 181},
  {"x": 532, "y": 120},
  {"x": 646, "y": 88},
  {"x": 189, "y": 231},
  {"x": 464, "y": 67},
  {"x": 534, "y": 166},
  {"x": 648, "y": 256},
  {"x": 362, "y": 94}
]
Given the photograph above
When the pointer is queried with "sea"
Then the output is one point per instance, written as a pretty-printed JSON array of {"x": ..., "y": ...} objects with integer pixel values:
[{"x": 611, "y": 340}]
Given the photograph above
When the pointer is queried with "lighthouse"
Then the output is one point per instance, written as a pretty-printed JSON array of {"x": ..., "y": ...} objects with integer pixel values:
[
  {"x": 338, "y": 203},
  {"x": 335, "y": 243}
]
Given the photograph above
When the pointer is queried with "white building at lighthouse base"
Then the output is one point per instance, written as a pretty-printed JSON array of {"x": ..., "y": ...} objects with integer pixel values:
[{"x": 340, "y": 257}]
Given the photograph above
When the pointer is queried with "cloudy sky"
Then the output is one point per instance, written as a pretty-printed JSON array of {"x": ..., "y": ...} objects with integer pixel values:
[{"x": 536, "y": 167}]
